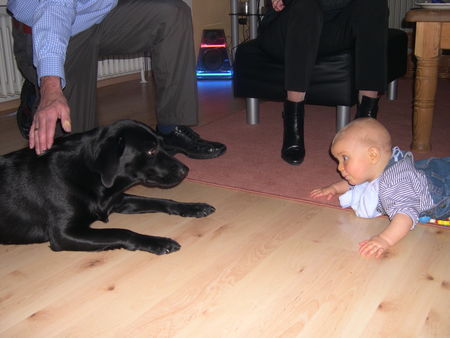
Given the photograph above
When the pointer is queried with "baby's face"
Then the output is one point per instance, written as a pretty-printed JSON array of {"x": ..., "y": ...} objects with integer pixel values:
[{"x": 353, "y": 159}]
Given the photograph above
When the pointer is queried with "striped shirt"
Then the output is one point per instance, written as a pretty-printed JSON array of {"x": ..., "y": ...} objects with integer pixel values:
[
  {"x": 404, "y": 189},
  {"x": 53, "y": 22}
]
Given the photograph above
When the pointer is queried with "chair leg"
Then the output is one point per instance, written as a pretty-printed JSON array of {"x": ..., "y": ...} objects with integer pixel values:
[
  {"x": 252, "y": 110},
  {"x": 342, "y": 116},
  {"x": 392, "y": 90}
]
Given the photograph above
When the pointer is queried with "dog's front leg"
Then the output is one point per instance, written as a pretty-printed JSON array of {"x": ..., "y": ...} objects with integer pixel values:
[
  {"x": 131, "y": 204},
  {"x": 76, "y": 238}
]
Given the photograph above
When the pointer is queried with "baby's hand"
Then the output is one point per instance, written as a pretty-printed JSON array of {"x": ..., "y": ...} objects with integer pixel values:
[
  {"x": 374, "y": 247},
  {"x": 328, "y": 192}
]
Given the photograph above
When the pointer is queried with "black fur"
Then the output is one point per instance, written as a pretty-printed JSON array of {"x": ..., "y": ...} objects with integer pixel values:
[{"x": 56, "y": 197}]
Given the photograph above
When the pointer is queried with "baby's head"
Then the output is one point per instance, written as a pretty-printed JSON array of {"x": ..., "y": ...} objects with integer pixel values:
[{"x": 363, "y": 149}]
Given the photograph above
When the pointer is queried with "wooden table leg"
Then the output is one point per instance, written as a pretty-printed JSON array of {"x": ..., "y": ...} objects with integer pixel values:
[
  {"x": 427, "y": 52},
  {"x": 424, "y": 96}
]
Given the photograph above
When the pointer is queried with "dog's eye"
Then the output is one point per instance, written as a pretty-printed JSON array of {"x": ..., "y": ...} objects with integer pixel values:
[{"x": 152, "y": 152}]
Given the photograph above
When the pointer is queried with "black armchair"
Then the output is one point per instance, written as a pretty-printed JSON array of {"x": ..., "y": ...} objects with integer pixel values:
[{"x": 257, "y": 76}]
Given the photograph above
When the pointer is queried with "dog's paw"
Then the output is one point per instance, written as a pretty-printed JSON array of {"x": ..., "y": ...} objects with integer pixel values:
[
  {"x": 196, "y": 210},
  {"x": 163, "y": 246}
]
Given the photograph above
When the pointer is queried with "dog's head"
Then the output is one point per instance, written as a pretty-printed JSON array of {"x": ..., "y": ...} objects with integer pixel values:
[{"x": 129, "y": 152}]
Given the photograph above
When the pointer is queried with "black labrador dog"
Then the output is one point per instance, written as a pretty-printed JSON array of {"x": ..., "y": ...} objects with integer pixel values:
[{"x": 55, "y": 197}]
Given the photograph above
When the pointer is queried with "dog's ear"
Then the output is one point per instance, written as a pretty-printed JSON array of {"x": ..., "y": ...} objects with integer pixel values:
[{"x": 107, "y": 159}]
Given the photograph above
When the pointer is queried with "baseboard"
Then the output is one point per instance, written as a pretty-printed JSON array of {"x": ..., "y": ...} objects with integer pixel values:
[
  {"x": 12, "y": 105},
  {"x": 9, "y": 106}
]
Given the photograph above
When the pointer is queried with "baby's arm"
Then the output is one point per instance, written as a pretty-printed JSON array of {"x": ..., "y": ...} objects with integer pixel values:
[
  {"x": 377, "y": 245},
  {"x": 331, "y": 190}
]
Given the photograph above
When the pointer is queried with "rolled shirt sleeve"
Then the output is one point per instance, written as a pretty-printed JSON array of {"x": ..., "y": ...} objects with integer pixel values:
[
  {"x": 407, "y": 206},
  {"x": 404, "y": 190},
  {"x": 52, "y": 29},
  {"x": 53, "y": 23}
]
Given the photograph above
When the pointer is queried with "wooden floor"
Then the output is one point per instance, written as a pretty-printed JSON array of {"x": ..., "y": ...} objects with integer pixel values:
[{"x": 257, "y": 267}]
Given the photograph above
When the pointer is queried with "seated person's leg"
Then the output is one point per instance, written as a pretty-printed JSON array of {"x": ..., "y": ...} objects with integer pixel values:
[
  {"x": 292, "y": 37},
  {"x": 362, "y": 26},
  {"x": 370, "y": 19},
  {"x": 81, "y": 79},
  {"x": 164, "y": 29}
]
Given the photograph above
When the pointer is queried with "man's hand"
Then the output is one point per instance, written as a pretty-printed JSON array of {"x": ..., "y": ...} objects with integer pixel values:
[
  {"x": 278, "y": 5},
  {"x": 53, "y": 106}
]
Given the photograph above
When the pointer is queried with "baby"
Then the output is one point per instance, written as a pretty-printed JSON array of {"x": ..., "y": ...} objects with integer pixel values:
[{"x": 379, "y": 179}]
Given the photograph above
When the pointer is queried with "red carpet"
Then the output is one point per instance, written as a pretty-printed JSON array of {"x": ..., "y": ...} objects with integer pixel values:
[{"x": 253, "y": 161}]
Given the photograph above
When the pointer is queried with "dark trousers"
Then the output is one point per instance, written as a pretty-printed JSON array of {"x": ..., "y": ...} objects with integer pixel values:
[
  {"x": 301, "y": 32},
  {"x": 163, "y": 28}
]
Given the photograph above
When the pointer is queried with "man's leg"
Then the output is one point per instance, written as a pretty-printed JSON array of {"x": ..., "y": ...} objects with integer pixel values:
[
  {"x": 164, "y": 29},
  {"x": 81, "y": 79},
  {"x": 29, "y": 98}
]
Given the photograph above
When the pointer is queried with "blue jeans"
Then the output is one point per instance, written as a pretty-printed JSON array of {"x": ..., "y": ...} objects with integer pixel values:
[{"x": 437, "y": 171}]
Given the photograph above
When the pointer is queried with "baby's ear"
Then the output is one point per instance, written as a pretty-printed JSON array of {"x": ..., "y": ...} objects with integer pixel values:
[{"x": 374, "y": 154}]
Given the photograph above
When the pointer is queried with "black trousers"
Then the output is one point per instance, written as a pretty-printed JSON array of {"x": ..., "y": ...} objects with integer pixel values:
[
  {"x": 163, "y": 28},
  {"x": 301, "y": 32}
]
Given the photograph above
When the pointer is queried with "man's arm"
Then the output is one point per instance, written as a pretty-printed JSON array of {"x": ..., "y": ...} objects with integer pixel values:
[{"x": 52, "y": 24}]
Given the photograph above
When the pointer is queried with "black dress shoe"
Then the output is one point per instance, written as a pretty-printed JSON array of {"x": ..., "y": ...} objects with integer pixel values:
[
  {"x": 368, "y": 107},
  {"x": 184, "y": 140},
  {"x": 24, "y": 115}
]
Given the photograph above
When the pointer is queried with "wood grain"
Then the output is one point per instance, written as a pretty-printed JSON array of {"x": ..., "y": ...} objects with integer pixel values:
[{"x": 258, "y": 267}]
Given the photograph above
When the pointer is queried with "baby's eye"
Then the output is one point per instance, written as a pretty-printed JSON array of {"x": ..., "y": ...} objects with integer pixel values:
[
  {"x": 345, "y": 158},
  {"x": 152, "y": 151}
]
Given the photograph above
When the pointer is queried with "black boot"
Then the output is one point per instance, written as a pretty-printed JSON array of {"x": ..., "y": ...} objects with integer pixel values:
[
  {"x": 293, "y": 150},
  {"x": 368, "y": 107}
]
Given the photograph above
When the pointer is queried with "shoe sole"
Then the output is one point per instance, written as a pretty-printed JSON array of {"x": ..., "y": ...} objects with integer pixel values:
[
  {"x": 173, "y": 151},
  {"x": 292, "y": 162}
]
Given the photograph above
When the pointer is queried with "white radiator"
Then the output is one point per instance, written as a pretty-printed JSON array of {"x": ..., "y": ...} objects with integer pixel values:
[
  {"x": 11, "y": 80},
  {"x": 118, "y": 66}
]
